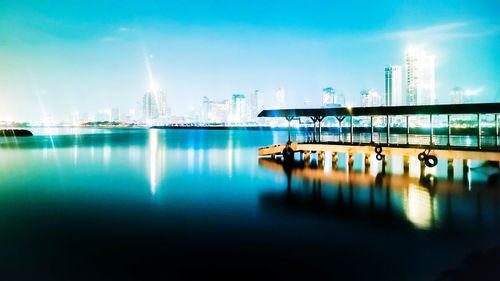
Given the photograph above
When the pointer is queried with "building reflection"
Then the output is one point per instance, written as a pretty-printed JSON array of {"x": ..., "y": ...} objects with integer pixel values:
[
  {"x": 424, "y": 202},
  {"x": 157, "y": 160}
]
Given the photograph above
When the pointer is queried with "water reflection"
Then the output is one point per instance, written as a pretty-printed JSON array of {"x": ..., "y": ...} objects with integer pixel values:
[{"x": 423, "y": 202}]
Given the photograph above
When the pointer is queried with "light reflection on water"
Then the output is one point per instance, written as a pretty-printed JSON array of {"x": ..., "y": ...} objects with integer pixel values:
[{"x": 213, "y": 184}]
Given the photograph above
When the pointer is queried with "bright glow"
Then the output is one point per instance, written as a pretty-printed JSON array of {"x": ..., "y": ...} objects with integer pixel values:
[
  {"x": 153, "y": 150},
  {"x": 419, "y": 206}
]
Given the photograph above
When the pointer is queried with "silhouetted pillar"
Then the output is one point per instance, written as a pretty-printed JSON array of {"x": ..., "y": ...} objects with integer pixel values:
[
  {"x": 407, "y": 130},
  {"x": 352, "y": 130},
  {"x": 367, "y": 162},
  {"x": 432, "y": 130},
  {"x": 478, "y": 130},
  {"x": 449, "y": 131},
  {"x": 450, "y": 168},
  {"x": 350, "y": 161},
  {"x": 371, "y": 125},
  {"x": 406, "y": 164},
  {"x": 335, "y": 159},
  {"x": 388, "y": 129}
]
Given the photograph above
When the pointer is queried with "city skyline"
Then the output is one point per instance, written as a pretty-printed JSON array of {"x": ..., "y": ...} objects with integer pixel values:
[{"x": 56, "y": 61}]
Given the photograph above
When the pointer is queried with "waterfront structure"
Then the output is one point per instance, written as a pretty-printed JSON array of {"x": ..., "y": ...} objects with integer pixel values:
[
  {"x": 420, "y": 77},
  {"x": 154, "y": 106},
  {"x": 393, "y": 85},
  {"x": 370, "y": 98},
  {"x": 280, "y": 97},
  {"x": 426, "y": 153},
  {"x": 457, "y": 95}
]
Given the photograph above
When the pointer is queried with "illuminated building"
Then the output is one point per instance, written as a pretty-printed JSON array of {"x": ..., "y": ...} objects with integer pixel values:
[
  {"x": 457, "y": 95},
  {"x": 214, "y": 112},
  {"x": 238, "y": 109},
  {"x": 420, "y": 77},
  {"x": 330, "y": 98},
  {"x": 280, "y": 98},
  {"x": 255, "y": 105},
  {"x": 370, "y": 98},
  {"x": 154, "y": 105},
  {"x": 393, "y": 85}
]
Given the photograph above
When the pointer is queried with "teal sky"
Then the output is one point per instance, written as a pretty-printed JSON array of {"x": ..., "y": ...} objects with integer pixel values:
[{"x": 57, "y": 57}]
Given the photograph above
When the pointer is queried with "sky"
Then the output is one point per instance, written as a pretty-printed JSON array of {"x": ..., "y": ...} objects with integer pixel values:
[{"x": 58, "y": 57}]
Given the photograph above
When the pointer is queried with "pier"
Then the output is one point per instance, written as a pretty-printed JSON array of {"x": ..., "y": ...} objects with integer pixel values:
[{"x": 386, "y": 138}]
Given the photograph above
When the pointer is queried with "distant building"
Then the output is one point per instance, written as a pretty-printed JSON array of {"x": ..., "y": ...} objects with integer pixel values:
[
  {"x": 254, "y": 105},
  {"x": 370, "y": 98},
  {"x": 238, "y": 109},
  {"x": 214, "y": 112},
  {"x": 329, "y": 97},
  {"x": 393, "y": 85},
  {"x": 115, "y": 114},
  {"x": 420, "y": 77},
  {"x": 280, "y": 98},
  {"x": 154, "y": 106},
  {"x": 457, "y": 95}
]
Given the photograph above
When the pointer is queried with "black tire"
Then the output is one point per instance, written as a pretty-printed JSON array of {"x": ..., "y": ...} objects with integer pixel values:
[
  {"x": 379, "y": 157},
  {"x": 421, "y": 156},
  {"x": 378, "y": 149},
  {"x": 431, "y": 161}
]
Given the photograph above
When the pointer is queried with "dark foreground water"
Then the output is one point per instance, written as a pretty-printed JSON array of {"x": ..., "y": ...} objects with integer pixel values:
[{"x": 194, "y": 204}]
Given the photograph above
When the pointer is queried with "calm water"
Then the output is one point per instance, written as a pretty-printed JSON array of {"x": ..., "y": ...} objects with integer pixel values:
[{"x": 176, "y": 204}]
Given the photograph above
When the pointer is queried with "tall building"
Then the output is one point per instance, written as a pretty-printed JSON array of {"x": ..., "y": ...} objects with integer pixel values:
[
  {"x": 154, "y": 105},
  {"x": 457, "y": 95},
  {"x": 393, "y": 85},
  {"x": 420, "y": 77},
  {"x": 280, "y": 98},
  {"x": 370, "y": 98},
  {"x": 329, "y": 97},
  {"x": 254, "y": 105},
  {"x": 238, "y": 109}
]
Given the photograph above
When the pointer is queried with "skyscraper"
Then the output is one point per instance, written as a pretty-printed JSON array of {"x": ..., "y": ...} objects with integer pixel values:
[
  {"x": 280, "y": 98},
  {"x": 329, "y": 97},
  {"x": 154, "y": 105},
  {"x": 457, "y": 95},
  {"x": 238, "y": 109},
  {"x": 393, "y": 85},
  {"x": 255, "y": 105},
  {"x": 370, "y": 98},
  {"x": 420, "y": 77}
]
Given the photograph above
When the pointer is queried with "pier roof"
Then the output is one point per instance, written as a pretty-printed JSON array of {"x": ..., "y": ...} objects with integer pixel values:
[{"x": 469, "y": 108}]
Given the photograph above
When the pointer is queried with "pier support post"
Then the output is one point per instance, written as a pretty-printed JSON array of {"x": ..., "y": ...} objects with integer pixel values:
[
  {"x": 388, "y": 121},
  {"x": 289, "y": 119},
  {"x": 321, "y": 156},
  {"x": 450, "y": 168},
  {"x": 465, "y": 169},
  {"x": 407, "y": 130},
  {"x": 496, "y": 129},
  {"x": 432, "y": 130},
  {"x": 406, "y": 164},
  {"x": 367, "y": 162},
  {"x": 350, "y": 161},
  {"x": 352, "y": 129},
  {"x": 335, "y": 159},
  {"x": 479, "y": 131},
  {"x": 319, "y": 118},
  {"x": 449, "y": 131},
  {"x": 371, "y": 125}
]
